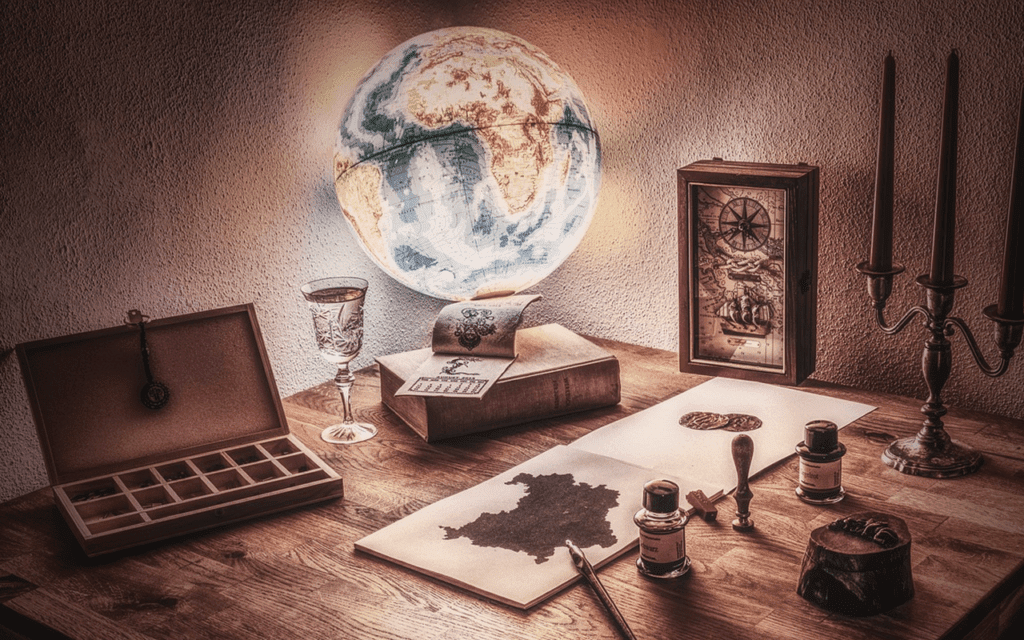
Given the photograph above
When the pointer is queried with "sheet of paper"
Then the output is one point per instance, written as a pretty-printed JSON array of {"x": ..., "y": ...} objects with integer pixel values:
[
  {"x": 505, "y": 537},
  {"x": 654, "y": 437},
  {"x": 455, "y": 376},
  {"x": 473, "y": 343}
]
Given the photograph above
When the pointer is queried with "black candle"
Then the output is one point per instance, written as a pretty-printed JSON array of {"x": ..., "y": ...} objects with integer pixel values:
[
  {"x": 945, "y": 199},
  {"x": 1011, "y": 289},
  {"x": 881, "y": 225}
]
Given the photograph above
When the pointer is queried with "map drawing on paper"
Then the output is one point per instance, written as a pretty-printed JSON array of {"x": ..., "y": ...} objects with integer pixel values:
[
  {"x": 505, "y": 537},
  {"x": 529, "y": 527}
]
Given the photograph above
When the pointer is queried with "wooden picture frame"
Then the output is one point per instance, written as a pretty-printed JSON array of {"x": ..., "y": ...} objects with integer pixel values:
[{"x": 748, "y": 258}]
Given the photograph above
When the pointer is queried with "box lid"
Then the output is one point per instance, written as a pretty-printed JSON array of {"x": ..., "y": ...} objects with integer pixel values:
[
  {"x": 85, "y": 389},
  {"x": 717, "y": 168}
]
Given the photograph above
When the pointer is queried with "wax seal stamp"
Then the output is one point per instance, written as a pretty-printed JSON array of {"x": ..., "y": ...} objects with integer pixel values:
[
  {"x": 742, "y": 454},
  {"x": 704, "y": 506}
]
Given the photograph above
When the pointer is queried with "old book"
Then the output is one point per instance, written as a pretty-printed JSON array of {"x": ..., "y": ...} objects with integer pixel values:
[{"x": 557, "y": 372}]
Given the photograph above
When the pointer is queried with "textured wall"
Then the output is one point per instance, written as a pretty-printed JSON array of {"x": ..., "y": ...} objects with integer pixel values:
[{"x": 173, "y": 157}]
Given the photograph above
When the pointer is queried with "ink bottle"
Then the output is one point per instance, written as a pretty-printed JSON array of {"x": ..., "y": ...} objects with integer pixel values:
[
  {"x": 662, "y": 532},
  {"x": 821, "y": 464}
]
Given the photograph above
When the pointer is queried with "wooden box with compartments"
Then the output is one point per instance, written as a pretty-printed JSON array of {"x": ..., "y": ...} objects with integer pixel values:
[{"x": 152, "y": 430}]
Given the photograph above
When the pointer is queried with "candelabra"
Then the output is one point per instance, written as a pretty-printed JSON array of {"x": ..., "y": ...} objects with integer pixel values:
[{"x": 932, "y": 452}]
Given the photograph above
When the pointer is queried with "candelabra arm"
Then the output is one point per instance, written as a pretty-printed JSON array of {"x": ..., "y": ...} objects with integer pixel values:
[
  {"x": 979, "y": 358},
  {"x": 892, "y": 330}
]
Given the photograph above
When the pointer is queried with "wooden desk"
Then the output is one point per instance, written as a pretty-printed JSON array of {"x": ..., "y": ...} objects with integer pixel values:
[{"x": 296, "y": 575}]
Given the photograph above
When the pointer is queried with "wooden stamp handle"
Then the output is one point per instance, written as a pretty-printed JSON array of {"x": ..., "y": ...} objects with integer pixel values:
[{"x": 742, "y": 453}]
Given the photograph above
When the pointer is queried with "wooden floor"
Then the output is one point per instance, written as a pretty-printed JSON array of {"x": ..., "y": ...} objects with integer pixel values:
[{"x": 296, "y": 574}]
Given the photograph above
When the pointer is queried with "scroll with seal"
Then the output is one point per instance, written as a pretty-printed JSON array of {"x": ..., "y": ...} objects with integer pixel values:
[{"x": 472, "y": 345}]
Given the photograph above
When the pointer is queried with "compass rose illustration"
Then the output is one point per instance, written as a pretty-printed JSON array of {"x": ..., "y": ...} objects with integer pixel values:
[{"x": 744, "y": 224}]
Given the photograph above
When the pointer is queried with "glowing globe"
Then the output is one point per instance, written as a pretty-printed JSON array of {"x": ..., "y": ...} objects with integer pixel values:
[{"x": 467, "y": 164}]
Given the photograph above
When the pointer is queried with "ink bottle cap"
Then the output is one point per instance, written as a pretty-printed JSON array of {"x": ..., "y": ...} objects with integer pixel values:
[
  {"x": 821, "y": 436},
  {"x": 661, "y": 496}
]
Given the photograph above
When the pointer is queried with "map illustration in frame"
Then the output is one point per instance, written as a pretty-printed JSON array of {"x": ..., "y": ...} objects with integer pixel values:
[
  {"x": 739, "y": 311},
  {"x": 747, "y": 271}
]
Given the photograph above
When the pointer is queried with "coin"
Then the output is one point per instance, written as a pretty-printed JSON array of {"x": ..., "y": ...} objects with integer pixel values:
[
  {"x": 703, "y": 420},
  {"x": 742, "y": 422}
]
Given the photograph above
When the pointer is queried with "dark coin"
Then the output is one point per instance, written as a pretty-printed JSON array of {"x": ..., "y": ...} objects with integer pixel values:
[
  {"x": 742, "y": 422},
  {"x": 703, "y": 420}
]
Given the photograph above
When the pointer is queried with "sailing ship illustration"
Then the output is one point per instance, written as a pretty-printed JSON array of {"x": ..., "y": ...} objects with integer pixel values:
[{"x": 746, "y": 315}]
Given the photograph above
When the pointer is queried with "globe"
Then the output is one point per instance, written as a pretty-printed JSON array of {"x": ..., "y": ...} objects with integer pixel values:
[{"x": 467, "y": 164}]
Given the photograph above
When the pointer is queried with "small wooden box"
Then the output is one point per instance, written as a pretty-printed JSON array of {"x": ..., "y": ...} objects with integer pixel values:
[
  {"x": 847, "y": 571},
  {"x": 218, "y": 452},
  {"x": 748, "y": 270}
]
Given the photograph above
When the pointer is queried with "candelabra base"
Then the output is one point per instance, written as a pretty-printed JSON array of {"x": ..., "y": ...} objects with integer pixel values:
[{"x": 910, "y": 456}]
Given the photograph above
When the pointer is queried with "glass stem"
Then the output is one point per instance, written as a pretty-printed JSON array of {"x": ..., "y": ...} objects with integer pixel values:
[{"x": 344, "y": 381}]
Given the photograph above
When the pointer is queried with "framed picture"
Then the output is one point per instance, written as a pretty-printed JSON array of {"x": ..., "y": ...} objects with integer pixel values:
[{"x": 748, "y": 257}]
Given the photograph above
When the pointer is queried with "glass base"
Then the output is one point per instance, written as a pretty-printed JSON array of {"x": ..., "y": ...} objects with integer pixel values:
[
  {"x": 348, "y": 433},
  {"x": 820, "y": 497},
  {"x": 663, "y": 571}
]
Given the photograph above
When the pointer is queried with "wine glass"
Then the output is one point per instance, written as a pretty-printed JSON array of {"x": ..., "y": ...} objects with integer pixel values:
[{"x": 337, "y": 307}]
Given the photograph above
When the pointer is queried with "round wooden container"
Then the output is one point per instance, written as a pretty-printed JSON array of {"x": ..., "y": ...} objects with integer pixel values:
[{"x": 855, "y": 572}]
